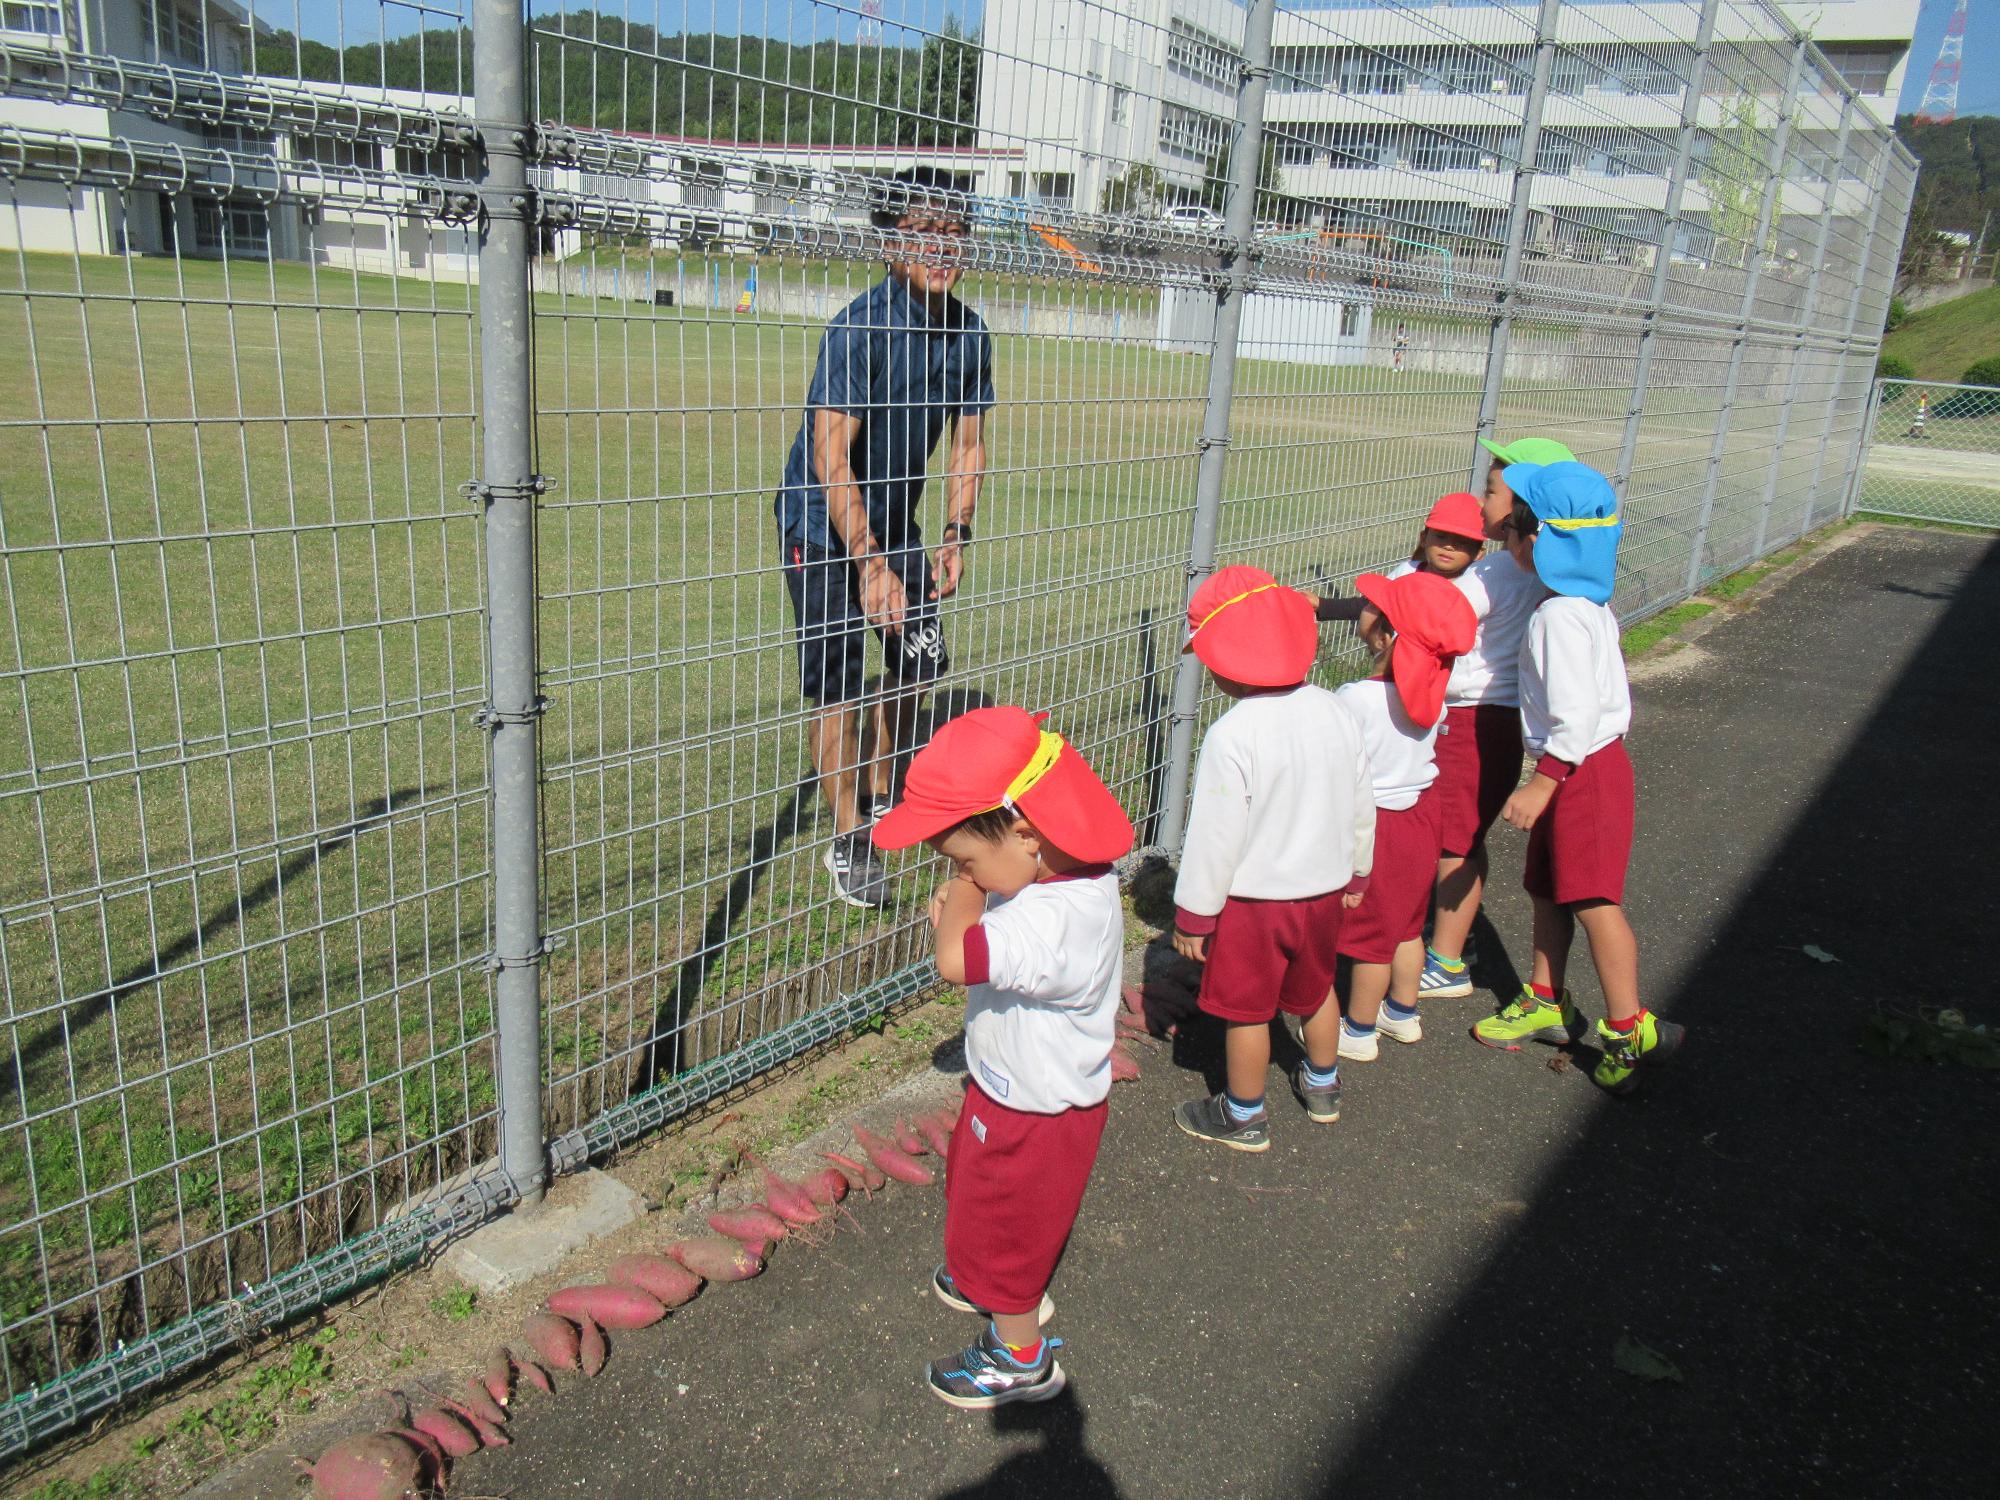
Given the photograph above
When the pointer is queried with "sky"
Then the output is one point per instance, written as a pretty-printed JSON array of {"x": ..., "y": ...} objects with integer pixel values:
[{"x": 1979, "y": 82}]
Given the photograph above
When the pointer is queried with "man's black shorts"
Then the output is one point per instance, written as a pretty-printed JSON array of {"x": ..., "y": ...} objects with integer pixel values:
[{"x": 833, "y": 630}]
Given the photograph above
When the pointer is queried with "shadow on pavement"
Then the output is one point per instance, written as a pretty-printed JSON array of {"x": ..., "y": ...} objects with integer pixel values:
[
  {"x": 1806, "y": 1231},
  {"x": 1061, "y": 1466}
]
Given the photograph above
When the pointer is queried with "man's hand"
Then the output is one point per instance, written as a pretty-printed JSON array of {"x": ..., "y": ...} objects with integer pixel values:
[
  {"x": 1191, "y": 946},
  {"x": 1530, "y": 802},
  {"x": 948, "y": 564},
  {"x": 883, "y": 597},
  {"x": 1351, "y": 899}
]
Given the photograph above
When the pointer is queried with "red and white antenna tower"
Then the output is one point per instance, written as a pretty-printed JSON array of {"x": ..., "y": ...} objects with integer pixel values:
[
  {"x": 1941, "y": 93},
  {"x": 870, "y": 29}
]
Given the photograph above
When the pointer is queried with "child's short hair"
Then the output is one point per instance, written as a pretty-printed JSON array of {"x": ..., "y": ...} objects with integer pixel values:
[
  {"x": 993, "y": 825},
  {"x": 1524, "y": 521},
  {"x": 913, "y": 188}
]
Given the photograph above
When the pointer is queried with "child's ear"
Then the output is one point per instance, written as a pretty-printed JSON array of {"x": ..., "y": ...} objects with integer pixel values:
[{"x": 1030, "y": 838}]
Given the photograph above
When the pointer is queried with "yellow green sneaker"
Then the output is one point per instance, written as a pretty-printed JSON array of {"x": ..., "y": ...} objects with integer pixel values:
[
  {"x": 1651, "y": 1043},
  {"x": 1530, "y": 1019}
]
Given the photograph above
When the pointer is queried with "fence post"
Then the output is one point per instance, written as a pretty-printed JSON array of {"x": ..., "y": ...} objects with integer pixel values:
[
  {"x": 507, "y": 487},
  {"x": 1239, "y": 225},
  {"x": 1517, "y": 234},
  {"x": 1670, "y": 228},
  {"x": 1877, "y": 185},
  {"x": 1774, "y": 176},
  {"x": 1828, "y": 201},
  {"x": 1871, "y": 413}
]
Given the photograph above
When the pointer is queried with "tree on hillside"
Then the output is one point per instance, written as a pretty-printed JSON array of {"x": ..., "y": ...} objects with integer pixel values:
[{"x": 1733, "y": 178}]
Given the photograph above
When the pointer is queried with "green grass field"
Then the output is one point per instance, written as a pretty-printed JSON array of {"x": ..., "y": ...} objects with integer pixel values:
[
  {"x": 1940, "y": 342},
  {"x": 243, "y": 913}
]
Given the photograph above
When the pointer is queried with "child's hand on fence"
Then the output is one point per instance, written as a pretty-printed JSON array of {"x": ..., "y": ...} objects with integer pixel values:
[
  {"x": 1191, "y": 946},
  {"x": 1529, "y": 803}
]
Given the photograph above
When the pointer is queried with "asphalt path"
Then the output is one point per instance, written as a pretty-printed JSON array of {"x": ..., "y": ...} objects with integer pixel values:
[{"x": 1425, "y": 1299}]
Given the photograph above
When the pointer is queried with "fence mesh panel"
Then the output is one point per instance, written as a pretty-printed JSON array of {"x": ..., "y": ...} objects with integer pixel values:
[
  {"x": 247, "y": 725},
  {"x": 1933, "y": 453}
]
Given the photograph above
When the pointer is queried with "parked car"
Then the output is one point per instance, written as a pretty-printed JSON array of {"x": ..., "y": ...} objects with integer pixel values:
[{"x": 1193, "y": 216}]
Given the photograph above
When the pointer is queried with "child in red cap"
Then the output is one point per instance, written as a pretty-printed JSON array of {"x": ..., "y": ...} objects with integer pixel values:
[
  {"x": 1280, "y": 839},
  {"x": 1416, "y": 625},
  {"x": 1032, "y": 925}
]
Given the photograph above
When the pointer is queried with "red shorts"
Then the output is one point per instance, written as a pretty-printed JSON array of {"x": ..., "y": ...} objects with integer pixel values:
[
  {"x": 1582, "y": 842},
  {"x": 1399, "y": 892},
  {"x": 1013, "y": 1183},
  {"x": 1479, "y": 765},
  {"x": 1268, "y": 956}
]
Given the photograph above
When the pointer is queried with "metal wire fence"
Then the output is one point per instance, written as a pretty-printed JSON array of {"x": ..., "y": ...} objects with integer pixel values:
[
  {"x": 405, "y": 779},
  {"x": 1933, "y": 453}
]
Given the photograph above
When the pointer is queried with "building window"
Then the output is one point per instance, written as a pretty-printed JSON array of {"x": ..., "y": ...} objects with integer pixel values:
[
  {"x": 1193, "y": 53},
  {"x": 172, "y": 34},
  {"x": 1350, "y": 319},
  {"x": 1190, "y": 133},
  {"x": 1121, "y": 104},
  {"x": 227, "y": 228},
  {"x": 1865, "y": 68},
  {"x": 33, "y": 17}
]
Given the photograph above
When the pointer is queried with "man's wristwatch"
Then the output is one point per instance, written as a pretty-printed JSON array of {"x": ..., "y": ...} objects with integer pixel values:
[{"x": 958, "y": 531}]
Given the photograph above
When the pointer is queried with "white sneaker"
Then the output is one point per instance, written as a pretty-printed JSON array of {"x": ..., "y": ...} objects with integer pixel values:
[
  {"x": 1358, "y": 1048},
  {"x": 1406, "y": 1032}
]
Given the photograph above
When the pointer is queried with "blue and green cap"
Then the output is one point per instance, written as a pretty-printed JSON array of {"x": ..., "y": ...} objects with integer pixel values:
[{"x": 1576, "y": 549}]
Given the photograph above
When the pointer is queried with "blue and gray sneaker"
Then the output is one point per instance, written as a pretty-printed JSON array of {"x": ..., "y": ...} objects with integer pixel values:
[
  {"x": 948, "y": 1293},
  {"x": 1438, "y": 982},
  {"x": 986, "y": 1374}
]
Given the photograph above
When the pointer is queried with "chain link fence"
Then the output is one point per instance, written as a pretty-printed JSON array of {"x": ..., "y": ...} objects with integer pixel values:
[
  {"x": 405, "y": 780},
  {"x": 1933, "y": 453}
]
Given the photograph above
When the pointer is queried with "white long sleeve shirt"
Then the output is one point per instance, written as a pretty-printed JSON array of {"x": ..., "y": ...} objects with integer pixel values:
[
  {"x": 1574, "y": 696},
  {"x": 1401, "y": 757},
  {"x": 1283, "y": 804},
  {"x": 1503, "y": 595},
  {"x": 1041, "y": 1005}
]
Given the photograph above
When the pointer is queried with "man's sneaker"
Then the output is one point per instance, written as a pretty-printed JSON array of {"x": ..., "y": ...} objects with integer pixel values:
[
  {"x": 949, "y": 1294},
  {"x": 1322, "y": 1104},
  {"x": 1358, "y": 1048},
  {"x": 878, "y": 807},
  {"x": 1439, "y": 983},
  {"x": 984, "y": 1374},
  {"x": 1652, "y": 1043},
  {"x": 858, "y": 876},
  {"x": 1530, "y": 1019},
  {"x": 1210, "y": 1120},
  {"x": 1406, "y": 1032}
]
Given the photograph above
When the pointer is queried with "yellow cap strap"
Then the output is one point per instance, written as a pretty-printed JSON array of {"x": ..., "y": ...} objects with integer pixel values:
[
  {"x": 1577, "y": 523},
  {"x": 1261, "y": 588},
  {"x": 1039, "y": 765}
]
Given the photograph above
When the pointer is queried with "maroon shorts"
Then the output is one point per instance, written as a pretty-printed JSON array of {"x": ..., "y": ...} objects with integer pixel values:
[
  {"x": 1013, "y": 1183},
  {"x": 1268, "y": 956},
  {"x": 1399, "y": 892},
  {"x": 1582, "y": 842},
  {"x": 1479, "y": 765}
]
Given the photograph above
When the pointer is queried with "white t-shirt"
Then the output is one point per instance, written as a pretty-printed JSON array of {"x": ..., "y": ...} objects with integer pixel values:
[
  {"x": 1402, "y": 757},
  {"x": 1574, "y": 696},
  {"x": 1503, "y": 595},
  {"x": 1283, "y": 804},
  {"x": 1039, "y": 1030}
]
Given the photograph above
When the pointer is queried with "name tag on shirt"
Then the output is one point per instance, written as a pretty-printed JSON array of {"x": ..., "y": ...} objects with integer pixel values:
[{"x": 994, "y": 1083}]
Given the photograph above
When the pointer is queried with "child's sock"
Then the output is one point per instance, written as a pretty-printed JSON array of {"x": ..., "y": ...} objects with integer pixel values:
[
  {"x": 1318, "y": 1080},
  {"x": 1356, "y": 1030},
  {"x": 1544, "y": 993},
  {"x": 1628, "y": 1024},
  {"x": 1449, "y": 965},
  {"x": 1023, "y": 1354},
  {"x": 1240, "y": 1110},
  {"x": 1399, "y": 1012}
]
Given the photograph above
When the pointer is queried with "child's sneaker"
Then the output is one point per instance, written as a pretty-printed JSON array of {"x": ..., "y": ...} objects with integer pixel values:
[
  {"x": 1530, "y": 1019},
  {"x": 1440, "y": 983},
  {"x": 1210, "y": 1120},
  {"x": 984, "y": 1374},
  {"x": 1322, "y": 1102},
  {"x": 1358, "y": 1046},
  {"x": 1408, "y": 1030},
  {"x": 949, "y": 1294},
  {"x": 1652, "y": 1042}
]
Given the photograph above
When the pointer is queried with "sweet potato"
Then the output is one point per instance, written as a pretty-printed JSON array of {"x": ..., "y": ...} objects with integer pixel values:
[
  {"x": 1123, "y": 1069},
  {"x": 1135, "y": 1001},
  {"x": 893, "y": 1161},
  {"x": 489, "y": 1435},
  {"x": 379, "y": 1466},
  {"x": 500, "y": 1375},
  {"x": 448, "y": 1431},
  {"x": 479, "y": 1401},
  {"x": 553, "y": 1338},
  {"x": 936, "y": 1135},
  {"x": 753, "y": 1221},
  {"x": 827, "y": 1186},
  {"x": 717, "y": 1258},
  {"x": 590, "y": 1345},
  {"x": 608, "y": 1306},
  {"x": 430, "y": 1451},
  {"x": 860, "y": 1174},
  {"x": 534, "y": 1374},
  {"x": 667, "y": 1281},
  {"x": 908, "y": 1139},
  {"x": 787, "y": 1200}
]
